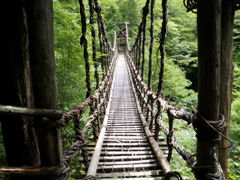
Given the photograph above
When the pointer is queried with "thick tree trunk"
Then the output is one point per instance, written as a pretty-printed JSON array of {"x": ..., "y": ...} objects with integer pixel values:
[
  {"x": 40, "y": 20},
  {"x": 18, "y": 134},
  {"x": 226, "y": 75},
  {"x": 209, "y": 46}
]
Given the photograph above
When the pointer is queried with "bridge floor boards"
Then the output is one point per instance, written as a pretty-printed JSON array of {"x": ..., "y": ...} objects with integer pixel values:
[{"x": 126, "y": 153}]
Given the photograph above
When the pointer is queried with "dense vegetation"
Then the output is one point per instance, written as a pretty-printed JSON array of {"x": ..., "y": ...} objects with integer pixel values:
[{"x": 180, "y": 78}]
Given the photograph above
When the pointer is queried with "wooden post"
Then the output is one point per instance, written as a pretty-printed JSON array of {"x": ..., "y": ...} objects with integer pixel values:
[
  {"x": 40, "y": 20},
  {"x": 209, "y": 47},
  {"x": 18, "y": 133},
  {"x": 226, "y": 75}
]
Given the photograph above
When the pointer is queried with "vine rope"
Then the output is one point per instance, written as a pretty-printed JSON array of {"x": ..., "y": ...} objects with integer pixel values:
[{"x": 84, "y": 43}]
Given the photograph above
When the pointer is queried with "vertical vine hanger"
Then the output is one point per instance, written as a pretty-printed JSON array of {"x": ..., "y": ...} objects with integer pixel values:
[
  {"x": 162, "y": 43},
  {"x": 151, "y": 44},
  {"x": 96, "y": 74},
  {"x": 144, "y": 22},
  {"x": 84, "y": 43}
]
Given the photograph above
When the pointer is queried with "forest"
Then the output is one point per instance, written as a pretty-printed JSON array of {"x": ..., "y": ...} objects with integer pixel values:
[
  {"x": 180, "y": 78},
  {"x": 180, "y": 83}
]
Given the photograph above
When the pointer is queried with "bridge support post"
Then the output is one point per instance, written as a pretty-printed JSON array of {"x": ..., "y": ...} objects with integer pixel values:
[
  {"x": 19, "y": 136},
  {"x": 42, "y": 63},
  {"x": 215, "y": 32},
  {"x": 215, "y": 18},
  {"x": 209, "y": 47},
  {"x": 28, "y": 79},
  {"x": 228, "y": 9}
]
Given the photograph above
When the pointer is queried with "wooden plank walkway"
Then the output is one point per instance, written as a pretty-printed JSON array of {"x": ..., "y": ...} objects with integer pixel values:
[{"x": 125, "y": 152}]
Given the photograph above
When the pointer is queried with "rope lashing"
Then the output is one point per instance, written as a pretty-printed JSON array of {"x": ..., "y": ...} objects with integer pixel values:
[
  {"x": 94, "y": 49},
  {"x": 84, "y": 43},
  {"x": 191, "y": 5},
  {"x": 162, "y": 44},
  {"x": 207, "y": 129},
  {"x": 210, "y": 176}
]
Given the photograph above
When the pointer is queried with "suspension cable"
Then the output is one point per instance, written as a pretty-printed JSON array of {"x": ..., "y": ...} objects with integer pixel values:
[
  {"x": 91, "y": 9},
  {"x": 144, "y": 22},
  {"x": 84, "y": 43},
  {"x": 162, "y": 43},
  {"x": 151, "y": 30},
  {"x": 105, "y": 45}
]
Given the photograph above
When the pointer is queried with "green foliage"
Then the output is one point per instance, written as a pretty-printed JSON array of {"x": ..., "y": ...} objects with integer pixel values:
[
  {"x": 68, "y": 53},
  {"x": 175, "y": 85},
  {"x": 180, "y": 76},
  {"x": 234, "y": 160}
]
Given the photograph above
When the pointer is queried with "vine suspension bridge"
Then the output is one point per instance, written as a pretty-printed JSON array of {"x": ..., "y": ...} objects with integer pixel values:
[{"x": 125, "y": 115}]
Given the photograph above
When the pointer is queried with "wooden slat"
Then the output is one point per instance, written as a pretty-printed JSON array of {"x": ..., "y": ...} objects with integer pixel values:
[
  {"x": 125, "y": 149},
  {"x": 129, "y": 166},
  {"x": 144, "y": 178},
  {"x": 127, "y": 162},
  {"x": 117, "y": 153},
  {"x": 130, "y": 174}
]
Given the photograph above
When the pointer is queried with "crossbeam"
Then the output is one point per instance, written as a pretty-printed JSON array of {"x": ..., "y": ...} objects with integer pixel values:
[{"x": 24, "y": 111}]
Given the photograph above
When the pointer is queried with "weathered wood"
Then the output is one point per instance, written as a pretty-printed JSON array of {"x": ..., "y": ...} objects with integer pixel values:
[
  {"x": 115, "y": 158},
  {"x": 23, "y": 111},
  {"x": 209, "y": 48},
  {"x": 123, "y": 152},
  {"x": 158, "y": 153},
  {"x": 96, "y": 155},
  {"x": 128, "y": 162},
  {"x": 31, "y": 171},
  {"x": 105, "y": 153},
  {"x": 40, "y": 20},
  {"x": 18, "y": 133},
  {"x": 128, "y": 166},
  {"x": 226, "y": 76},
  {"x": 149, "y": 178},
  {"x": 131, "y": 174}
]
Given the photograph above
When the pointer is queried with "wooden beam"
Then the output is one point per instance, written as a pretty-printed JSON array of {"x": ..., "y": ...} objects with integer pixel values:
[
  {"x": 24, "y": 111},
  {"x": 92, "y": 169},
  {"x": 19, "y": 135},
  {"x": 42, "y": 63},
  {"x": 30, "y": 171}
]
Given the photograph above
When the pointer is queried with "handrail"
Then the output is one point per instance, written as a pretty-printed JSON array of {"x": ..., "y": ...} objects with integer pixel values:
[
  {"x": 162, "y": 161},
  {"x": 92, "y": 169}
]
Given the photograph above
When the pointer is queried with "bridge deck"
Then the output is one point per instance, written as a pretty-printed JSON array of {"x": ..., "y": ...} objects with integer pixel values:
[{"x": 126, "y": 153}]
